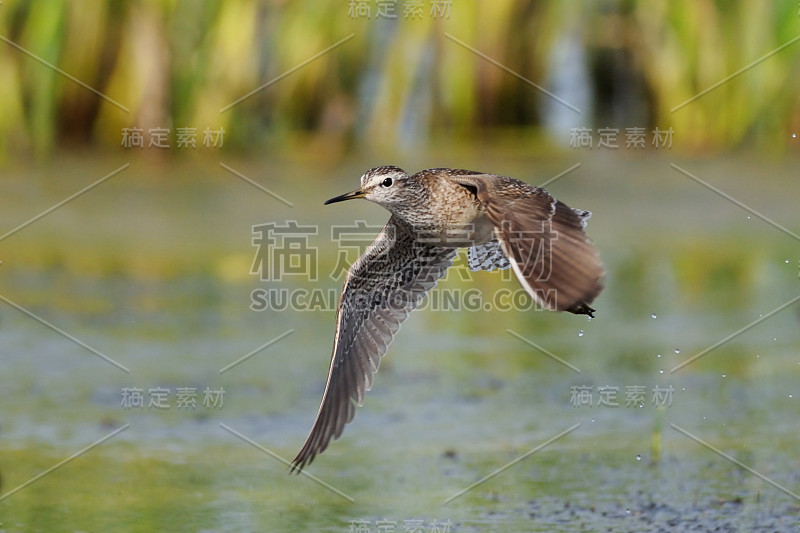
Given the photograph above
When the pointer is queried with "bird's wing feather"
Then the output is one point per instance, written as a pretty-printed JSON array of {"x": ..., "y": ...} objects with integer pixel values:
[
  {"x": 382, "y": 287},
  {"x": 544, "y": 240},
  {"x": 487, "y": 256}
]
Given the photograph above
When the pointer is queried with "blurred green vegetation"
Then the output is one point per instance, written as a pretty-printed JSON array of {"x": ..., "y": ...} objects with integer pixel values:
[
  {"x": 177, "y": 63},
  {"x": 154, "y": 266}
]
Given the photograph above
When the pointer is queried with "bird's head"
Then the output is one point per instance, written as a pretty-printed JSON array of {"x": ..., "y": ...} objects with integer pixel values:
[{"x": 382, "y": 185}]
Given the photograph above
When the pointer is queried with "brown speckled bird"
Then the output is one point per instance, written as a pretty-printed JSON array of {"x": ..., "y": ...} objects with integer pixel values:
[{"x": 502, "y": 221}]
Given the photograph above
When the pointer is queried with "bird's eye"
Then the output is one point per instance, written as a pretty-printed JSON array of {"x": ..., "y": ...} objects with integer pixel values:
[{"x": 387, "y": 182}]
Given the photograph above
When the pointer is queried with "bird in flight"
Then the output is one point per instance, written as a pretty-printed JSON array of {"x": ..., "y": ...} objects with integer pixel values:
[{"x": 503, "y": 222}]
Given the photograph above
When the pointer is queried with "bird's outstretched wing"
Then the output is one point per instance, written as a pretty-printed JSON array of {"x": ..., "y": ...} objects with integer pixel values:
[
  {"x": 382, "y": 287},
  {"x": 544, "y": 240},
  {"x": 488, "y": 256}
]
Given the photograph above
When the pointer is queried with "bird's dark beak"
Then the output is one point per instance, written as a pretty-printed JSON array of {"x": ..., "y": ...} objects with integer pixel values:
[{"x": 358, "y": 193}]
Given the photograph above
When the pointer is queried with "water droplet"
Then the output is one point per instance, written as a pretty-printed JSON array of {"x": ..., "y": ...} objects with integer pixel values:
[
  {"x": 638, "y": 457},
  {"x": 653, "y": 316},
  {"x": 677, "y": 350},
  {"x": 580, "y": 333}
]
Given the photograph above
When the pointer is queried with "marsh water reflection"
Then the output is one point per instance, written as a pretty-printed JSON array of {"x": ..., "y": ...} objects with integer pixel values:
[{"x": 153, "y": 270}]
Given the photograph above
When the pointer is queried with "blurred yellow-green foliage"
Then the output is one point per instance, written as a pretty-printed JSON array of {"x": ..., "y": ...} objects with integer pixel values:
[{"x": 394, "y": 82}]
